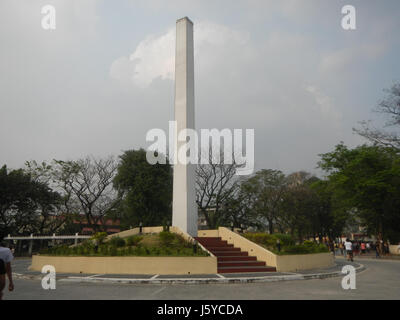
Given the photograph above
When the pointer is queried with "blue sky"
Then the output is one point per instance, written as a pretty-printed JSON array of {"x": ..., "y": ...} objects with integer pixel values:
[{"x": 102, "y": 79}]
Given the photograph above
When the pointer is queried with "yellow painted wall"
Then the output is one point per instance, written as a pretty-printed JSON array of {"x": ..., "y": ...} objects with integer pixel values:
[
  {"x": 394, "y": 249},
  {"x": 132, "y": 265},
  {"x": 135, "y": 231},
  {"x": 208, "y": 233},
  {"x": 128, "y": 265},
  {"x": 293, "y": 263}
]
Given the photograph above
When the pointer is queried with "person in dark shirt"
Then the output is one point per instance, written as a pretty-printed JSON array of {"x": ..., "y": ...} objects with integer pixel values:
[{"x": 5, "y": 268}]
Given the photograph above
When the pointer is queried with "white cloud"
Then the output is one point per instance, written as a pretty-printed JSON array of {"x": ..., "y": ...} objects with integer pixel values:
[
  {"x": 348, "y": 58},
  {"x": 154, "y": 57}
]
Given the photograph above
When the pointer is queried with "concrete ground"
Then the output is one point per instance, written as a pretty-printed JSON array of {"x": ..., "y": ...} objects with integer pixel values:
[{"x": 380, "y": 280}]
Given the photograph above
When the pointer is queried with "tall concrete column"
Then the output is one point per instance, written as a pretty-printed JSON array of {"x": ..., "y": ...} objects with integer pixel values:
[{"x": 184, "y": 211}]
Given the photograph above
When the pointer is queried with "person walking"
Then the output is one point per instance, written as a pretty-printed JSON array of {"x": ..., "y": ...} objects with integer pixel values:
[
  {"x": 377, "y": 250},
  {"x": 278, "y": 245},
  {"x": 363, "y": 247},
  {"x": 5, "y": 268},
  {"x": 349, "y": 249},
  {"x": 341, "y": 248}
]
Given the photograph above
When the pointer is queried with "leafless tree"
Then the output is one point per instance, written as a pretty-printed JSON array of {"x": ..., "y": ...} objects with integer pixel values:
[
  {"x": 389, "y": 107},
  {"x": 216, "y": 182},
  {"x": 85, "y": 185},
  {"x": 89, "y": 181}
]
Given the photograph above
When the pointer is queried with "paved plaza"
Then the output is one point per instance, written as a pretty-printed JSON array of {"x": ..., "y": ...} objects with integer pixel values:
[{"x": 378, "y": 280}]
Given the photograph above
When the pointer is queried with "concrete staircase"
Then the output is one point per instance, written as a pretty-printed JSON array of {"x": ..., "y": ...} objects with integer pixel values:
[{"x": 231, "y": 259}]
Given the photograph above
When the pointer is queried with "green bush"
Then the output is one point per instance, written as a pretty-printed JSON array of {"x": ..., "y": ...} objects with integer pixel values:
[
  {"x": 99, "y": 237},
  {"x": 287, "y": 242},
  {"x": 113, "y": 251},
  {"x": 117, "y": 242},
  {"x": 166, "y": 238},
  {"x": 170, "y": 244},
  {"x": 285, "y": 239},
  {"x": 133, "y": 240}
]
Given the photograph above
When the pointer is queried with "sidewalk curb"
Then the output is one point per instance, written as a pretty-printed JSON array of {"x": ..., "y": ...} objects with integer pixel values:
[
  {"x": 226, "y": 280},
  {"x": 211, "y": 280}
]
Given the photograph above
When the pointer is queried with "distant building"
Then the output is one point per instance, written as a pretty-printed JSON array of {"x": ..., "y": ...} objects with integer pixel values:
[{"x": 110, "y": 226}]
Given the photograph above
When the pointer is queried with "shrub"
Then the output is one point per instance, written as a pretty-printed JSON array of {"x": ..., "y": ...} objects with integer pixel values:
[
  {"x": 285, "y": 239},
  {"x": 117, "y": 242},
  {"x": 287, "y": 242},
  {"x": 133, "y": 240},
  {"x": 166, "y": 238},
  {"x": 113, "y": 251},
  {"x": 99, "y": 237}
]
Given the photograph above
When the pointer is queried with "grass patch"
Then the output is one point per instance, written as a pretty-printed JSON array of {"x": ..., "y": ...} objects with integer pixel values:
[
  {"x": 288, "y": 245},
  {"x": 163, "y": 244}
]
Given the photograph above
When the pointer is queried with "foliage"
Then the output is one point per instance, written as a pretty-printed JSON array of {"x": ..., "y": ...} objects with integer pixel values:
[
  {"x": 85, "y": 186},
  {"x": 117, "y": 242},
  {"x": 145, "y": 190},
  {"x": 133, "y": 240},
  {"x": 166, "y": 238},
  {"x": 267, "y": 188},
  {"x": 366, "y": 180},
  {"x": 99, "y": 237},
  {"x": 287, "y": 243},
  {"x": 27, "y": 205},
  {"x": 166, "y": 244}
]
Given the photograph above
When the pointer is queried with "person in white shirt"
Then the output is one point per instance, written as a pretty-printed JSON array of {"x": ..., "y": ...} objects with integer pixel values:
[
  {"x": 349, "y": 249},
  {"x": 5, "y": 268}
]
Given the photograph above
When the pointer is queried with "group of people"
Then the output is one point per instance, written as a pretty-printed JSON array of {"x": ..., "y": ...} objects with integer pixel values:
[{"x": 350, "y": 248}]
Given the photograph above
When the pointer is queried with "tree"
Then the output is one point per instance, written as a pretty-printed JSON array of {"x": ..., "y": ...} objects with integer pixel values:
[
  {"x": 367, "y": 180},
  {"x": 26, "y": 205},
  {"x": 238, "y": 207},
  {"x": 216, "y": 184},
  {"x": 268, "y": 187},
  {"x": 298, "y": 207},
  {"x": 329, "y": 218},
  {"x": 85, "y": 186},
  {"x": 145, "y": 190},
  {"x": 389, "y": 107}
]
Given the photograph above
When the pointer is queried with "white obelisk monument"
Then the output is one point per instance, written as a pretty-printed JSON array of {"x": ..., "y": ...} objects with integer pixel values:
[{"x": 184, "y": 208}]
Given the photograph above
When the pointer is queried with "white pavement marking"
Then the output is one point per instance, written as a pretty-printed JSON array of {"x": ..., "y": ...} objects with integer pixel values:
[
  {"x": 296, "y": 274},
  {"x": 153, "y": 277},
  {"x": 96, "y": 275},
  {"x": 221, "y": 276},
  {"x": 158, "y": 291}
]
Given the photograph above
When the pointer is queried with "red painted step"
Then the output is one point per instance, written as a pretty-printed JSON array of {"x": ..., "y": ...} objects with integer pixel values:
[
  {"x": 241, "y": 264},
  {"x": 223, "y": 249},
  {"x": 229, "y": 253},
  {"x": 245, "y": 269},
  {"x": 237, "y": 258},
  {"x": 231, "y": 259}
]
